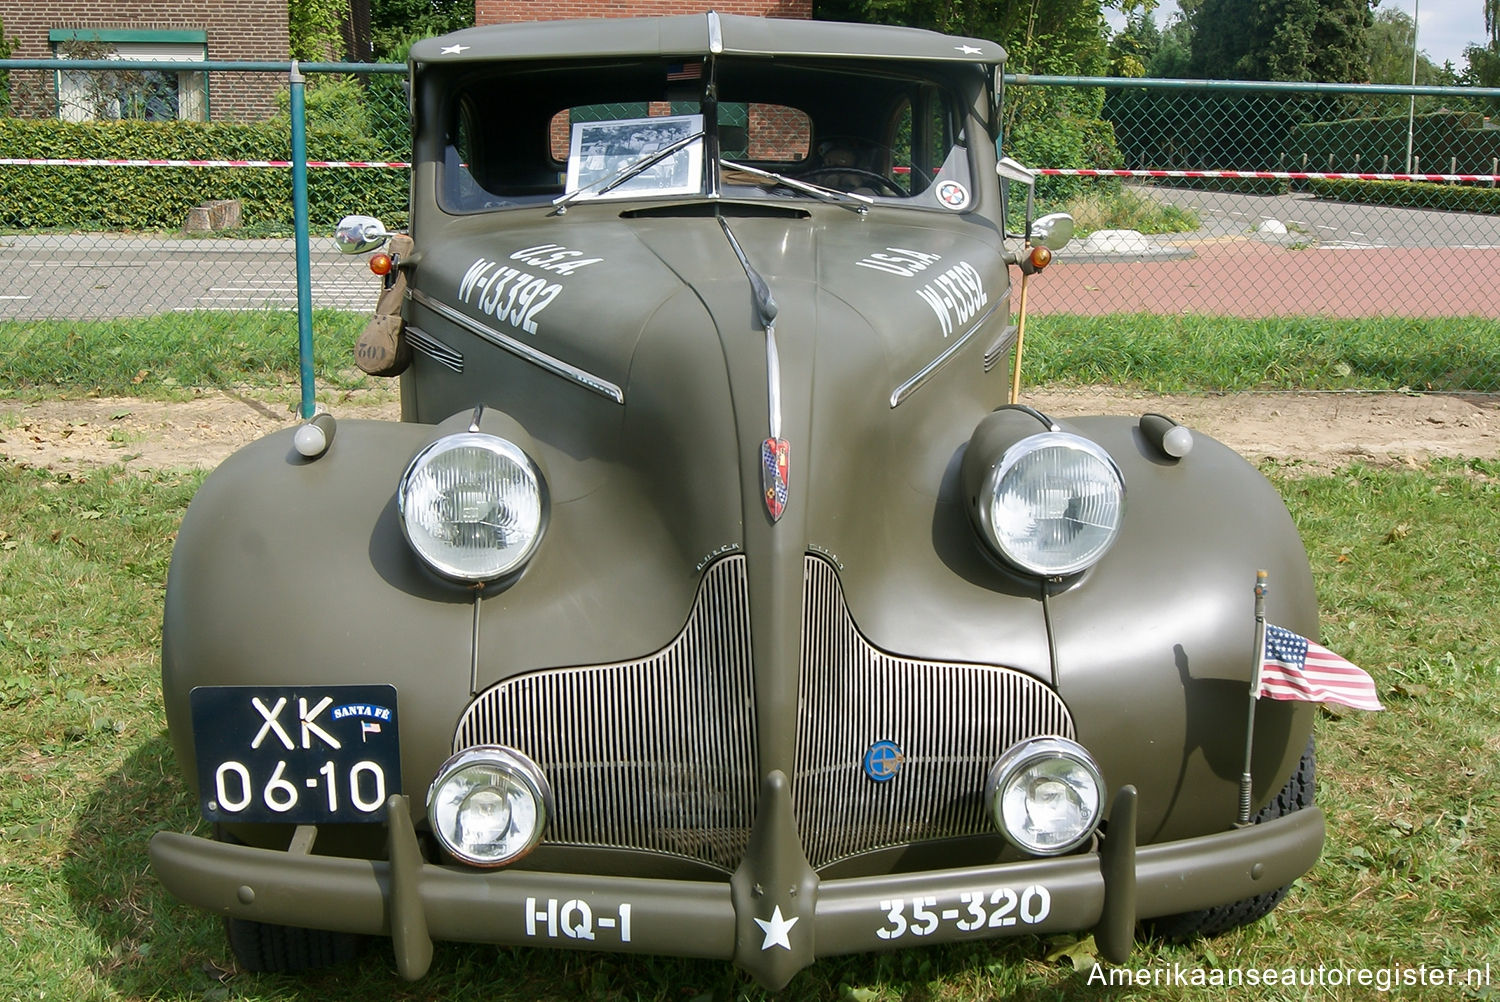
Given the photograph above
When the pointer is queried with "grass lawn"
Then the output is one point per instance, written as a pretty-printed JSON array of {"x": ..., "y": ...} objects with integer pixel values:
[
  {"x": 1407, "y": 563},
  {"x": 1407, "y": 568}
]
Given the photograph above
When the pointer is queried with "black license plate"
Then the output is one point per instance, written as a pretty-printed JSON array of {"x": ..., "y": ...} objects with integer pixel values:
[{"x": 302, "y": 754}]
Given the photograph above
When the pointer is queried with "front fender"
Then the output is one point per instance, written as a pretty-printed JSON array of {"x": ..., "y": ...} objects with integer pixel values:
[
  {"x": 295, "y": 571},
  {"x": 1154, "y": 646}
]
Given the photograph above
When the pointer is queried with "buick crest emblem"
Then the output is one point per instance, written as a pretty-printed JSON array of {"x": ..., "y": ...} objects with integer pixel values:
[
  {"x": 775, "y": 459},
  {"x": 883, "y": 760}
]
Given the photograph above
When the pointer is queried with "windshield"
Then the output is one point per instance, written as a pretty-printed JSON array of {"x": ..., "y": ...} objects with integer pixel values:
[{"x": 519, "y": 135}]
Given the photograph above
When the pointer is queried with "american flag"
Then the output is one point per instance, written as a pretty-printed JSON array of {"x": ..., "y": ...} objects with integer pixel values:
[
  {"x": 684, "y": 71},
  {"x": 1293, "y": 667}
]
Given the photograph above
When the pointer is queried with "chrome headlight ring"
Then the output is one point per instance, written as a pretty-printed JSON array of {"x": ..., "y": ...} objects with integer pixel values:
[
  {"x": 473, "y": 506},
  {"x": 489, "y": 805},
  {"x": 1045, "y": 795},
  {"x": 1053, "y": 504}
]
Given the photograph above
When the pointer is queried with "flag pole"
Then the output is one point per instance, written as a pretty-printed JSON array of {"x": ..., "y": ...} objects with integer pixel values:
[{"x": 1259, "y": 647}]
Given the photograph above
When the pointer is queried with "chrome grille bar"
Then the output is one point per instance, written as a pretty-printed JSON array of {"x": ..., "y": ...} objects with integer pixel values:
[
  {"x": 656, "y": 754},
  {"x": 951, "y": 722}
]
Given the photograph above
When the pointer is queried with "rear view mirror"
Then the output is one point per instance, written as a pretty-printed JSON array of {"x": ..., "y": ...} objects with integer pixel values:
[
  {"x": 1052, "y": 231},
  {"x": 357, "y": 234}
]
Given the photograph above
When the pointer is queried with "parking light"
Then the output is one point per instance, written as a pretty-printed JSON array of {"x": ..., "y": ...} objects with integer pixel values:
[
  {"x": 1045, "y": 795},
  {"x": 489, "y": 805}
]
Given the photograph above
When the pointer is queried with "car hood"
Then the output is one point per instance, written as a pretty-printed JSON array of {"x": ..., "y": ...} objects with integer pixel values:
[
  {"x": 881, "y": 325},
  {"x": 587, "y": 294}
]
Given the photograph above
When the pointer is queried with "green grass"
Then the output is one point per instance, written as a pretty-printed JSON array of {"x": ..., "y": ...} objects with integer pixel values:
[
  {"x": 1191, "y": 352},
  {"x": 170, "y": 353},
  {"x": 167, "y": 355},
  {"x": 1407, "y": 568},
  {"x": 1124, "y": 208}
]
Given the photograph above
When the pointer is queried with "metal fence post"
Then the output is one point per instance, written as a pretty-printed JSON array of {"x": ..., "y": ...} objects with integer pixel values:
[{"x": 298, "y": 110}]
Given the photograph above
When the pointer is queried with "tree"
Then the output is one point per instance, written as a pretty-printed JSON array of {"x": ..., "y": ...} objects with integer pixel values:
[
  {"x": 1055, "y": 126},
  {"x": 1175, "y": 53},
  {"x": 315, "y": 28},
  {"x": 1134, "y": 46},
  {"x": 396, "y": 23},
  {"x": 7, "y": 46},
  {"x": 1307, "y": 40},
  {"x": 1392, "y": 37}
]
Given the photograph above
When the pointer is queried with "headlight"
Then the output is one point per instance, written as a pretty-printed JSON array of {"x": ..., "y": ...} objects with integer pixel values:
[
  {"x": 489, "y": 805},
  {"x": 1045, "y": 795},
  {"x": 472, "y": 506},
  {"x": 1053, "y": 503}
]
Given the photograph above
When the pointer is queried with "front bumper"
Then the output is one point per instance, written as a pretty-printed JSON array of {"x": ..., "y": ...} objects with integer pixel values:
[{"x": 772, "y": 918}]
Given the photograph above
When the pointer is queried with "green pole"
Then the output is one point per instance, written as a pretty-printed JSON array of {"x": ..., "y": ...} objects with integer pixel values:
[{"x": 299, "y": 223}]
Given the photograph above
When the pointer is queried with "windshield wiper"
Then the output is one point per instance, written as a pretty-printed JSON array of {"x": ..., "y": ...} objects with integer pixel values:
[
  {"x": 623, "y": 174},
  {"x": 848, "y": 199}
]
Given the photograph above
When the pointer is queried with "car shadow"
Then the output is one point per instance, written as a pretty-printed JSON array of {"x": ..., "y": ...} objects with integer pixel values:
[{"x": 148, "y": 945}]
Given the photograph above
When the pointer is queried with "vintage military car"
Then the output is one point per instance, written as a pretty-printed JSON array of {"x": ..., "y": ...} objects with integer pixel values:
[{"x": 713, "y": 597}]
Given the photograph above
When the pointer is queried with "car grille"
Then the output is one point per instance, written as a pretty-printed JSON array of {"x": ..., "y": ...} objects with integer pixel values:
[
  {"x": 949, "y": 721},
  {"x": 655, "y": 754},
  {"x": 658, "y": 754}
]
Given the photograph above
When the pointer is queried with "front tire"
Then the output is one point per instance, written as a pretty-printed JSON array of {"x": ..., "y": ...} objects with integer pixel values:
[
  {"x": 264, "y": 948},
  {"x": 1215, "y": 921}
]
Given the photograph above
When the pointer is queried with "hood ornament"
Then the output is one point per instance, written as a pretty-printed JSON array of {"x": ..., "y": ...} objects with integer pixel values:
[
  {"x": 775, "y": 456},
  {"x": 775, "y": 451}
]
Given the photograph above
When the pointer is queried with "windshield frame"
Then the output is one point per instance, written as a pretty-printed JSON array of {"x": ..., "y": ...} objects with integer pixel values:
[{"x": 544, "y": 91}]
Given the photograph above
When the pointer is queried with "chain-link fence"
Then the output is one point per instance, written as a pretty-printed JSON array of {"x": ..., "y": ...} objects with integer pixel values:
[{"x": 1228, "y": 200}]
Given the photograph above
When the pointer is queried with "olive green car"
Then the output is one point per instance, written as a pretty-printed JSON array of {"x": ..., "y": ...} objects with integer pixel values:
[{"x": 710, "y": 599}]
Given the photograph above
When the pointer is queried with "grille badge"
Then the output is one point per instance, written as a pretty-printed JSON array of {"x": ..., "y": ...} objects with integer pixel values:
[{"x": 883, "y": 760}]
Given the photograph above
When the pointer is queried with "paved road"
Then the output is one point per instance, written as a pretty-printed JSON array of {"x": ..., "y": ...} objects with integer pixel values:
[
  {"x": 1325, "y": 223},
  {"x": 1325, "y": 258},
  {"x": 97, "y": 275},
  {"x": 1334, "y": 258}
]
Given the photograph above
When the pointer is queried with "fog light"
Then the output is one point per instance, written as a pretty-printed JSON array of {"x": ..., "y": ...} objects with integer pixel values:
[
  {"x": 1045, "y": 795},
  {"x": 489, "y": 805}
]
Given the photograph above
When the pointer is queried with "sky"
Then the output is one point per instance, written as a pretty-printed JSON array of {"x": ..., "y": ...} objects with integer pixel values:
[{"x": 1444, "y": 27}]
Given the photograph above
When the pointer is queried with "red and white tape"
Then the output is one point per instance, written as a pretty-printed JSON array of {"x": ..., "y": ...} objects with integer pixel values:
[
  {"x": 70, "y": 162},
  {"x": 1266, "y": 175},
  {"x": 1269, "y": 175}
]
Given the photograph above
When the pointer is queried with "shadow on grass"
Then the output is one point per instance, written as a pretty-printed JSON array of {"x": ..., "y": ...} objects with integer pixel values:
[{"x": 147, "y": 944}]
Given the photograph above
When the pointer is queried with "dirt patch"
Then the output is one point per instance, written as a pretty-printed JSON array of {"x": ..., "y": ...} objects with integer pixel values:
[
  {"x": 146, "y": 435},
  {"x": 1314, "y": 431}
]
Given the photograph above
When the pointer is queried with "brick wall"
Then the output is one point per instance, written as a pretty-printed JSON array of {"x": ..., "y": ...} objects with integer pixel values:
[
  {"x": 505, "y": 11},
  {"x": 236, "y": 29},
  {"x": 777, "y": 134}
]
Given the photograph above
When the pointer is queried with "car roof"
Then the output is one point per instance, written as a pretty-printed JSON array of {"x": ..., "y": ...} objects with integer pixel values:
[{"x": 693, "y": 36}]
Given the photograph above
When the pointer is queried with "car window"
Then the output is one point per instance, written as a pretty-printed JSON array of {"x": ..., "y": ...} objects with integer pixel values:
[{"x": 870, "y": 132}]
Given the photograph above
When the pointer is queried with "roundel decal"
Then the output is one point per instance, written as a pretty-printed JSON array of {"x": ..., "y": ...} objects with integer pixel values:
[
  {"x": 883, "y": 760},
  {"x": 953, "y": 195}
]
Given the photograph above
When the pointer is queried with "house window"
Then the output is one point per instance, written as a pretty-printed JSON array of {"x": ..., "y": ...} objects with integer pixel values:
[{"x": 151, "y": 95}]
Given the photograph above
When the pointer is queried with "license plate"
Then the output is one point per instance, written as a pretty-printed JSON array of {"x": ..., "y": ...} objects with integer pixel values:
[{"x": 296, "y": 753}]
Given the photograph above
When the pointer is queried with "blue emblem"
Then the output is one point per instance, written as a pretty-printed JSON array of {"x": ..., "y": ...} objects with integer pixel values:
[{"x": 883, "y": 761}]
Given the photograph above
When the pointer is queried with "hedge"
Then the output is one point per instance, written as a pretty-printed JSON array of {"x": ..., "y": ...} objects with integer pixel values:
[
  {"x": 1442, "y": 142},
  {"x": 1415, "y": 194},
  {"x": 158, "y": 198}
]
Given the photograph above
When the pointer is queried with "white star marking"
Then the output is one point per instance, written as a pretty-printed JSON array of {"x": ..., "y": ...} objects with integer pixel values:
[
  {"x": 453, "y": 50},
  {"x": 968, "y": 50},
  {"x": 776, "y": 929}
]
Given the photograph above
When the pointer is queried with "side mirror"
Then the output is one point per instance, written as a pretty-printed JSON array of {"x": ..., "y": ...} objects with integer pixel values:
[
  {"x": 1052, "y": 231},
  {"x": 357, "y": 234}
]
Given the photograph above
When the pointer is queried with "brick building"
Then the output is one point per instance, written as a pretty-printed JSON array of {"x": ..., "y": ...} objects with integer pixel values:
[
  {"x": 770, "y": 130},
  {"x": 504, "y": 11},
  {"x": 131, "y": 30}
]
